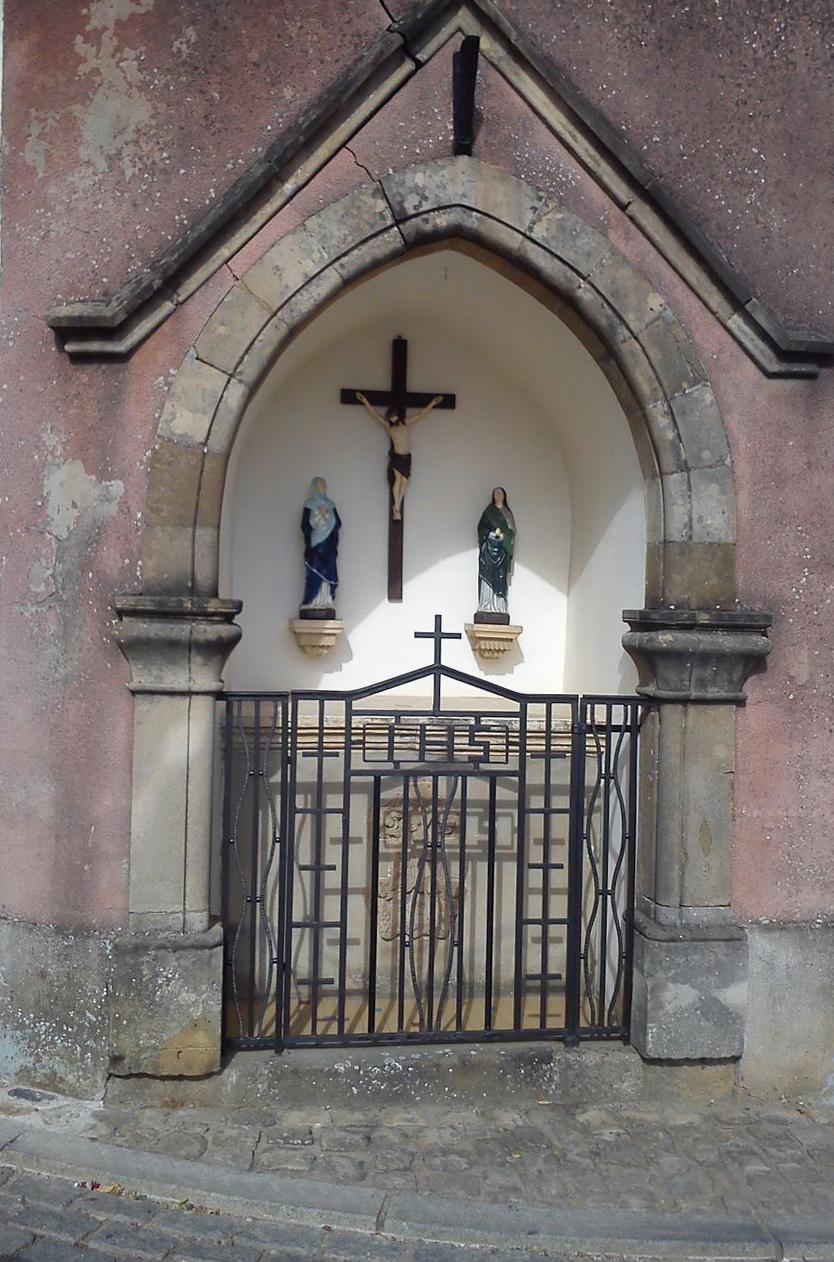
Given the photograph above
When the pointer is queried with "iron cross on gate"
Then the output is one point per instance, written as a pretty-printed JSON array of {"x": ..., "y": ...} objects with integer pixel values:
[
  {"x": 395, "y": 402},
  {"x": 438, "y": 635}
]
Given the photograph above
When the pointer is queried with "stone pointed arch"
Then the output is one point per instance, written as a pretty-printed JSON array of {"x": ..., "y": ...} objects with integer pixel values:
[
  {"x": 692, "y": 644},
  {"x": 566, "y": 264}
]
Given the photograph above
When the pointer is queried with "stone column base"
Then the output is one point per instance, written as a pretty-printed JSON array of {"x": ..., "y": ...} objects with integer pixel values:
[
  {"x": 690, "y": 991},
  {"x": 167, "y": 1004}
]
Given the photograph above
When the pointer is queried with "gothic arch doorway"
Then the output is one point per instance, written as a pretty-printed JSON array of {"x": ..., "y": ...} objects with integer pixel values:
[{"x": 692, "y": 644}]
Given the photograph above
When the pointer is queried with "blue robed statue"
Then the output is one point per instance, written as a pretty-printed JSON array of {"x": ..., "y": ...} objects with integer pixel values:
[{"x": 320, "y": 524}]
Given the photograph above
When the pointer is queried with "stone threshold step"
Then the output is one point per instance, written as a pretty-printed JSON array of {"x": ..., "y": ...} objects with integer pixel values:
[{"x": 345, "y": 1077}]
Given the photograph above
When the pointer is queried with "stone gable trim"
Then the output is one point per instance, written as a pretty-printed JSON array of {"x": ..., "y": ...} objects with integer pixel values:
[{"x": 116, "y": 325}]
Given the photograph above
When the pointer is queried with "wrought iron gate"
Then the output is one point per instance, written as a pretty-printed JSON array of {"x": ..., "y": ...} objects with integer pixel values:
[{"x": 456, "y": 869}]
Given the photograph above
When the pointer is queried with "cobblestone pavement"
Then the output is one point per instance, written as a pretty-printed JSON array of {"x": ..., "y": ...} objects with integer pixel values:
[
  {"x": 728, "y": 1157},
  {"x": 502, "y": 1137},
  {"x": 46, "y": 1219}
]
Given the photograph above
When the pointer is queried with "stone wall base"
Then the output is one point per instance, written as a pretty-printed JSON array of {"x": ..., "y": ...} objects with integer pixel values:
[
  {"x": 54, "y": 987},
  {"x": 690, "y": 991},
  {"x": 76, "y": 1006},
  {"x": 166, "y": 1006},
  {"x": 789, "y": 1046}
]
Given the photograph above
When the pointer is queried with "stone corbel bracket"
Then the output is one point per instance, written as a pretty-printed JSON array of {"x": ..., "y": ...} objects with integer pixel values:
[
  {"x": 489, "y": 641},
  {"x": 316, "y": 636},
  {"x": 176, "y": 644},
  {"x": 696, "y": 655}
]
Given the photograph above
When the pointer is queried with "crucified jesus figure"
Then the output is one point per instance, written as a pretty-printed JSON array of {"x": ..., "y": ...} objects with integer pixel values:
[{"x": 397, "y": 425}]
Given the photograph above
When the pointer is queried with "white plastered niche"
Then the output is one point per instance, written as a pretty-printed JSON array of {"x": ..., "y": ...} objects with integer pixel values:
[{"x": 534, "y": 414}]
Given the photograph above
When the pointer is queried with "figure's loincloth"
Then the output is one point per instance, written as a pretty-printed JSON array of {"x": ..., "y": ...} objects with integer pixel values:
[{"x": 398, "y": 463}]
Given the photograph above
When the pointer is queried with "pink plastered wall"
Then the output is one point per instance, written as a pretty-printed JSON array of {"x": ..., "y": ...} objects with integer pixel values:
[{"x": 83, "y": 207}]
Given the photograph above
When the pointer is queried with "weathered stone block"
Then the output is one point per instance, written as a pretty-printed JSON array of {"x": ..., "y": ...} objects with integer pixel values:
[
  {"x": 677, "y": 507},
  {"x": 227, "y": 416},
  {"x": 370, "y": 254},
  {"x": 291, "y": 262},
  {"x": 789, "y": 1049},
  {"x": 212, "y": 482},
  {"x": 690, "y": 991},
  {"x": 166, "y": 1004},
  {"x": 191, "y": 402},
  {"x": 173, "y": 481},
  {"x": 232, "y": 328},
  {"x": 360, "y": 214},
  {"x": 672, "y": 355},
  {"x": 249, "y": 372},
  {"x": 602, "y": 317},
  {"x": 571, "y": 240},
  {"x": 634, "y": 299},
  {"x": 699, "y": 573},
  {"x": 653, "y": 504},
  {"x": 167, "y": 559},
  {"x": 459, "y": 181},
  {"x": 53, "y": 1007},
  {"x": 458, "y": 221},
  {"x": 311, "y": 298},
  {"x": 654, "y": 574},
  {"x": 206, "y": 563},
  {"x": 666, "y": 439},
  {"x": 638, "y": 370},
  {"x": 551, "y": 274},
  {"x": 701, "y": 428}
]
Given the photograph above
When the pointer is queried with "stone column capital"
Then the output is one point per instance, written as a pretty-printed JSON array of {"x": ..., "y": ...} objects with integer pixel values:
[
  {"x": 695, "y": 655},
  {"x": 176, "y": 645}
]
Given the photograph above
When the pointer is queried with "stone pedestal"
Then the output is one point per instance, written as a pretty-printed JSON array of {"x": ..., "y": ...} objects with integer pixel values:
[
  {"x": 690, "y": 991},
  {"x": 168, "y": 968},
  {"x": 492, "y": 640},
  {"x": 166, "y": 1004},
  {"x": 316, "y": 636},
  {"x": 690, "y": 960}
]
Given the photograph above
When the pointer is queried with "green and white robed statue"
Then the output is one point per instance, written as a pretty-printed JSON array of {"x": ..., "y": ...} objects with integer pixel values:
[{"x": 496, "y": 543}]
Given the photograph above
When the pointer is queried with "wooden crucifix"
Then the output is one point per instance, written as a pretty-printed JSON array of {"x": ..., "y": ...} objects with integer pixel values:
[{"x": 393, "y": 420}]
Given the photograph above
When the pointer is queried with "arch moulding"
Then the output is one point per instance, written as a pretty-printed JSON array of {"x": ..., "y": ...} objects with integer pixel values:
[{"x": 693, "y": 645}]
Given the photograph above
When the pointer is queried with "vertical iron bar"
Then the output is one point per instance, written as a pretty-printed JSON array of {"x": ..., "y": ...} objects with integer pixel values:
[
  {"x": 604, "y": 877},
  {"x": 226, "y": 841},
  {"x": 634, "y": 750},
  {"x": 432, "y": 906},
  {"x": 545, "y": 951},
  {"x": 318, "y": 860},
  {"x": 461, "y": 901},
  {"x": 289, "y": 861},
  {"x": 345, "y": 862},
  {"x": 403, "y": 895},
  {"x": 374, "y": 906},
  {"x": 521, "y": 838},
  {"x": 253, "y": 890},
  {"x": 490, "y": 908},
  {"x": 281, "y": 911},
  {"x": 573, "y": 960}
]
